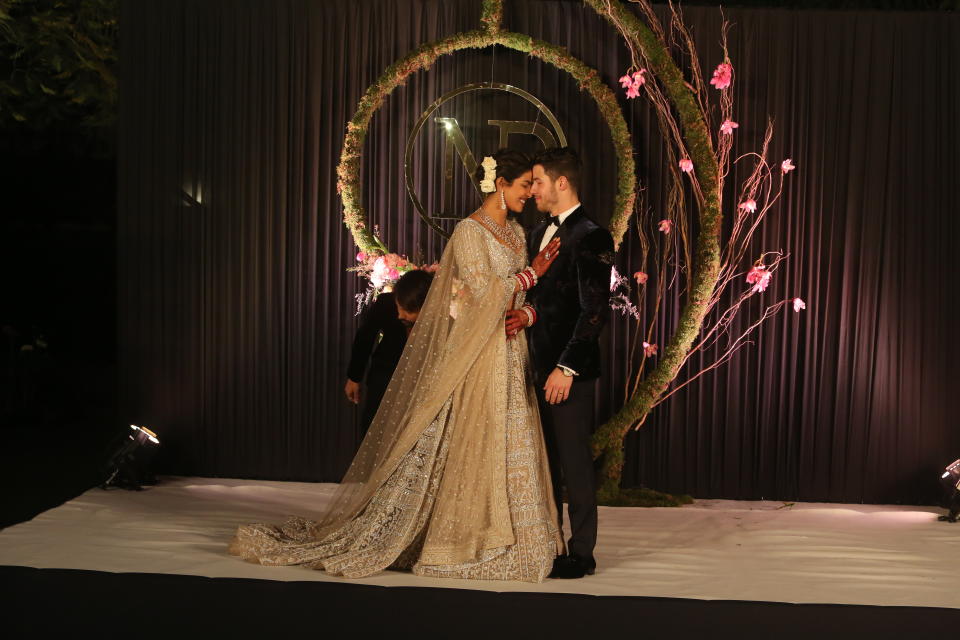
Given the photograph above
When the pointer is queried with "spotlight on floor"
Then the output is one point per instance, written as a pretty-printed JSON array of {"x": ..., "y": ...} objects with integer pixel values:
[
  {"x": 951, "y": 481},
  {"x": 129, "y": 465}
]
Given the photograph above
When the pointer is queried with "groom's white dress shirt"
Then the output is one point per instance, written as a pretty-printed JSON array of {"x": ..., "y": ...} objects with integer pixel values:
[{"x": 552, "y": 229}]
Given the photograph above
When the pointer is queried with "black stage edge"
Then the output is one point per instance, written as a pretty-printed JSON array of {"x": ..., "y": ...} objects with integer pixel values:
[{"x": 42, "y": 601}]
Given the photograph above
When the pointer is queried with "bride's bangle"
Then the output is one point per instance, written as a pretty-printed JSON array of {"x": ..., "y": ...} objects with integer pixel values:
[
  {"x": 531, "y": 314},
  {"x": 527, "y": 279}
]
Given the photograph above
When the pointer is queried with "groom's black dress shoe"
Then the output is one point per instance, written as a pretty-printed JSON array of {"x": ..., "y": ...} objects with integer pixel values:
[{"x": 572, "y": 566}]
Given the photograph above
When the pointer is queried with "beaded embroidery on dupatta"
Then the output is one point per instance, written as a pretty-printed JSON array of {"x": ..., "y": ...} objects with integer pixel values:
[{"x": 472, "y": 497}]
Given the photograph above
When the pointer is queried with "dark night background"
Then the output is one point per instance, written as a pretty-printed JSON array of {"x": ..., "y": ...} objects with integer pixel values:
[{"x": 58, "y": 240}]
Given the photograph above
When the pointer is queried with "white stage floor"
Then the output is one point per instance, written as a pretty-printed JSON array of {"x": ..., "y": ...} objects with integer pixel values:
[{"x": 712, "y": 550}]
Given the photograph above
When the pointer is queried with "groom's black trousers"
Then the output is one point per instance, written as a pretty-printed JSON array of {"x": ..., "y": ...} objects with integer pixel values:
[{"x": 567, "y": 428}]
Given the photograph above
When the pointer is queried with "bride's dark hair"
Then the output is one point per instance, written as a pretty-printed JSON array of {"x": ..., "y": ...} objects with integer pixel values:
[{"x": 511, "y": 164}]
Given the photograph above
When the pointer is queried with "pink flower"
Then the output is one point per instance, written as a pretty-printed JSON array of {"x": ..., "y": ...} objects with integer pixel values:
[
  {"x": 759, "y": 277},
  {"x": 632, "y": 83},
  {"x": 787, "y": 165},
  {"x": 722, "y": 76},
  {"x": 393, "y": 260},
  {"x": 649, "y": 350},
  {"x": 665, "y": 226},
  {"x": 361, "y": 257},
  {"x": 431, "y": 268},
  {"x": 799, "y": 304},
  {"x": 749, "y": 205},
  {"x": 728, "y": 126},
  {"x": 686, "y": 165},
  {"x": 393, "y": 274},
  {"x": 640, "y": 276}
]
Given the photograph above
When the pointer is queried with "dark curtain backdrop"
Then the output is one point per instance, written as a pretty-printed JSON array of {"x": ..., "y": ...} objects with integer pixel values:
[{"x": 236, "y": 310}]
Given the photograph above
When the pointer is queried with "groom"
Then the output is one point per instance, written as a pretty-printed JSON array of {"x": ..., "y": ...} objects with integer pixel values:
[{"x": 570, "y": 306}]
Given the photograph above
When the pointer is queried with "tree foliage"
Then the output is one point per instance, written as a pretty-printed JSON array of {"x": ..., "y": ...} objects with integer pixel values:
[{"x": 58, "y": 64}]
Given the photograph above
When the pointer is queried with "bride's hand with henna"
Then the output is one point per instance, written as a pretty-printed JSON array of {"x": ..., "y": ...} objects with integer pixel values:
[{"x": 546, "y": 257}]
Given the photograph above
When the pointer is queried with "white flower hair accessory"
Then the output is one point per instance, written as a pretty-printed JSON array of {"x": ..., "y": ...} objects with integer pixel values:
[{"x": 489, "y": 175}]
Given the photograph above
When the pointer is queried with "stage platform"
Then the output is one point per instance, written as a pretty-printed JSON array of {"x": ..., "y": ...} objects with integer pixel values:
[
  {"x": 891, "y": 556},
  {"x": 153, "y": 564}
]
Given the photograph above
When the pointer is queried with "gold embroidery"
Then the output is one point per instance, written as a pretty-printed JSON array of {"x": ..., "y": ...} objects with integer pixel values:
[{"x": 497, "y": 522}]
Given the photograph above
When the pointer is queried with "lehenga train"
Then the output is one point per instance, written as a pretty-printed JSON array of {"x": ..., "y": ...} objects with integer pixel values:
[{"x": 452, "y": 478}]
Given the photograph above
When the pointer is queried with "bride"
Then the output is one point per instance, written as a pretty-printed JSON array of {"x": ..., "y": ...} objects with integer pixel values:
[{"x": 452, "y": 478}]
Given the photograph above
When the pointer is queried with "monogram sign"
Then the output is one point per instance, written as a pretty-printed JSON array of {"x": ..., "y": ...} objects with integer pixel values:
[{"x": 458, "y": 162}]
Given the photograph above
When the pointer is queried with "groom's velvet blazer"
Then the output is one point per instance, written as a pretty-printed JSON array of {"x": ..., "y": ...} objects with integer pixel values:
[{"x": 572, "y": 298}]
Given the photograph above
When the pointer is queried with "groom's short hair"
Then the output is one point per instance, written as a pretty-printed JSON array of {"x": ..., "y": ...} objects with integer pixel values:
[{"x": 561, "y": 161}]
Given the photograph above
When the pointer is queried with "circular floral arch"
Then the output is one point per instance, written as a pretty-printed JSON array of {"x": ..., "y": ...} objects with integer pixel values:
[
  {"x": 348, "y": 171},
  {"x": 689, "y": 131}
]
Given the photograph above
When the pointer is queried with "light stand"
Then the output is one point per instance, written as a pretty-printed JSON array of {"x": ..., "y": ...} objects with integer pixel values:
[{"x": 128, "y": 466}]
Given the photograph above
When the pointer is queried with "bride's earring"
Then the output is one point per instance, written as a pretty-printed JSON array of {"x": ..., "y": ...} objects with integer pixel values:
[{"x": 503, "y": 201}]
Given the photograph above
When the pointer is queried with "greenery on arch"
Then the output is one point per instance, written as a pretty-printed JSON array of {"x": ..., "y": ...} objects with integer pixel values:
[{"x": 348, "y": 171}]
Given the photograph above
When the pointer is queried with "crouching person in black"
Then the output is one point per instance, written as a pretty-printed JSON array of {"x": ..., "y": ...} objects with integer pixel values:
[{"x": 380, "y": 339}]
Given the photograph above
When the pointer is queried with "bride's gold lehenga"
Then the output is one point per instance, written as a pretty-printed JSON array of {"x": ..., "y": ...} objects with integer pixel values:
[{"x": 452, "y": 478}]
